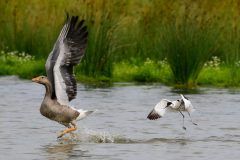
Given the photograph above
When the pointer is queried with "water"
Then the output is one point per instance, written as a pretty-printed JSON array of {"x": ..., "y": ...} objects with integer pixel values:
[{"x": 119, "y": 129}]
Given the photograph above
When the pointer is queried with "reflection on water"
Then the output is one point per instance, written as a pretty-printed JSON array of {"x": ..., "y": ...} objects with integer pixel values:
[
  {"x": 61, "y": 151},
  {"x": 119, "y": 129}
]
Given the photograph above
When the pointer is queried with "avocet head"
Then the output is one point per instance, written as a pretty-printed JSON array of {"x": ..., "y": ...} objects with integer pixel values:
[{"x": 176, "y": 104}]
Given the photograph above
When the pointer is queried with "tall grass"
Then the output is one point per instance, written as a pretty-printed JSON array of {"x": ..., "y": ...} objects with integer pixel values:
[
  {"x": 28, "y": 26},
  {"x": 103, "y": 24},
  {"x": 146, "y": 37},
  {"x": 187, "y": 48},
  {"x": 186, "y": 32},
  {"x": 232, "y": 47},
  {"x": 230, "y": 42},
  {"x": 188, "y": 39}
]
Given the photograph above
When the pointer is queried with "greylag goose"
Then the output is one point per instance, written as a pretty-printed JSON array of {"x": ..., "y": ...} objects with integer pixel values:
[
  {"x": 180, "y": 105},
  {"x": 60, "y": 82}
]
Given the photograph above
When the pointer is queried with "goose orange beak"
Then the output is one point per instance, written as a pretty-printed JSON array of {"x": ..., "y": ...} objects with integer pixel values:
[{"x": 36, "y": 79}]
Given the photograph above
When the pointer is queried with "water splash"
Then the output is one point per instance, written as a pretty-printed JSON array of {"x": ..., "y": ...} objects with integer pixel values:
[{"x": 90, "y": 136}]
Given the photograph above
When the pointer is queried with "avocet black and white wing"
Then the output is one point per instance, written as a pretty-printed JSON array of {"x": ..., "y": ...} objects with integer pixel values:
[
  {"x": 159, "y": 110},
  {"x": 67, "y": 52}
]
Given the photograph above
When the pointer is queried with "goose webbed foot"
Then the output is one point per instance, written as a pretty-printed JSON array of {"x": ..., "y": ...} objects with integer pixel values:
[{"x": 65, "y": 131}]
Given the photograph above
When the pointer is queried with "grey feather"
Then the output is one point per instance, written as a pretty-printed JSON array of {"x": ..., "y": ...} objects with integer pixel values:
[{"x": 71, "y": 45}]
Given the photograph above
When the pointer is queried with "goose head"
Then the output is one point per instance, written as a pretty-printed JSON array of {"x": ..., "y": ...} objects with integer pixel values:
[{"x": 41, "y": 80}]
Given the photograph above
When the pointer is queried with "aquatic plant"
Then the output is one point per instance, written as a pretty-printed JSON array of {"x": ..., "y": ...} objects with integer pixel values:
[
  {"x": 217, "y": 73},
  {"x": 231, "y": 44},
  {"x": 214, "y": 62},
  {"x": 21, "y": 64},
  {"x": 148, "y": 71},
  {"x": 128, "y": 31},
  {"x": 98, "y": 59},
  {"x": 30, "y": 28},
  {"x": 187, "y": 46}
]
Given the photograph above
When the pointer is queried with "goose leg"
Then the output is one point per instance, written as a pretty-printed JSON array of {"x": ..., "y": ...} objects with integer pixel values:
[
  {"x": 74, "y": 126},
  {"x": 191, "y": 118},
  {"x": 68, "y": 130},
  {"x": 183, "y": 120}
]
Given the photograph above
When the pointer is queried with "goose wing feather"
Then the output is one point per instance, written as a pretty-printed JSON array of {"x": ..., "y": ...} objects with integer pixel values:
[{"x": 67, "y": 52}]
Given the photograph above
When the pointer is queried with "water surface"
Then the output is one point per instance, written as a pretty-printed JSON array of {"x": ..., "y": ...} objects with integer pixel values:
[{"x": 119, "y": 128}]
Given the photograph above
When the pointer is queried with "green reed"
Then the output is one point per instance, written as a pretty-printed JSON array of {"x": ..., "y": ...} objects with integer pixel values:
[
  {"x": 28, "y": 26},
  {"x": 187, "y": 47},
  {"x": 129, "y": 31},
  {"x": 101, "y": 41}
]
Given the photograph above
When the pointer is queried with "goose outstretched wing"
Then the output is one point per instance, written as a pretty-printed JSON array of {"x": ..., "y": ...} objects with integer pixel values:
[{"x": 67, "y": 52}]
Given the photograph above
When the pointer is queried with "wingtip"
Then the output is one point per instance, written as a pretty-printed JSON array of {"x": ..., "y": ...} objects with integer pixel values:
[
  {"x": 153, "y": 115},
  {"x": 89, "y": 112},
  {"x": 183, "y": 97},
  {"x": 67, "y": 15}
]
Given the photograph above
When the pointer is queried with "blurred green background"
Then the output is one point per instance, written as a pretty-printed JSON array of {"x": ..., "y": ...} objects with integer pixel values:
[{"x": 183, "y": 43}]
